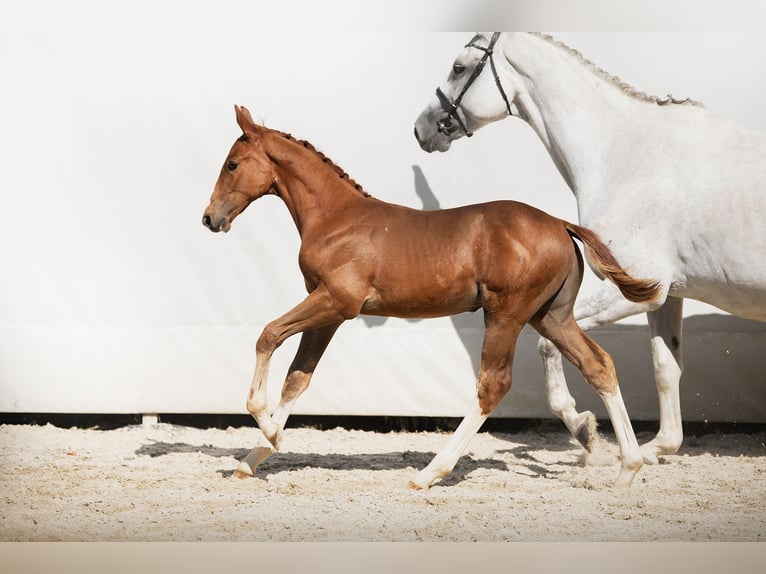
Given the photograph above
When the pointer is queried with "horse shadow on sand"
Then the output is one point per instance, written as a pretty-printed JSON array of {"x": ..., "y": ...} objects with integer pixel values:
[{"x": 287, "y": 461}]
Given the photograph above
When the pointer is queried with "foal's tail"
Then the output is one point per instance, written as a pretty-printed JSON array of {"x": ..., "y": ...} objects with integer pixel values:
[{"x": 633, "y": 289}]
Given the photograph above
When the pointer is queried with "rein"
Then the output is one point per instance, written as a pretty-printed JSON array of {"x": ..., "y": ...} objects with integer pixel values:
[{"x": 451, "y": 107}]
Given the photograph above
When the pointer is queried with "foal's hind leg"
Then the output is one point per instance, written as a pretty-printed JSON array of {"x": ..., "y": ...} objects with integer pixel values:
[
  {"x": 312, "y": 346},
  {"x": 597, "y": 368},
  {"x": 603, "y": 307},
  {"x": 494, "y": 382}
]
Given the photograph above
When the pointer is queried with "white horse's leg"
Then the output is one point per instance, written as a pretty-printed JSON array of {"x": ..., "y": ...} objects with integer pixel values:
[
  {"x": 666, "y": 327},
  {"x": 446, "y": 459},
  {"x": 604, "y": 306}
]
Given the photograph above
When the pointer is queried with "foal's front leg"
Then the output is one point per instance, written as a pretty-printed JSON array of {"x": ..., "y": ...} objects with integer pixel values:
[
  {"x": 312, "y": 346},
  {"x": 265, "y": 446},
  {"x": 318, "y": 317}
]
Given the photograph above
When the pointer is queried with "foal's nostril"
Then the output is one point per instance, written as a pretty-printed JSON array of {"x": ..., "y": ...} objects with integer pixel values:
[
  {"x": 417, "y": 137},
  {"x": 206, "y": 221}
]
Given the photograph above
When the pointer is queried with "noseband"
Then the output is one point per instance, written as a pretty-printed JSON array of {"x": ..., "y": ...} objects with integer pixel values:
[{"x": 445, "y": 125}]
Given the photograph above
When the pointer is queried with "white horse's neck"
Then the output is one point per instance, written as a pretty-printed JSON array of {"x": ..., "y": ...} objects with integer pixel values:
[{"x": 575, "y": 112}]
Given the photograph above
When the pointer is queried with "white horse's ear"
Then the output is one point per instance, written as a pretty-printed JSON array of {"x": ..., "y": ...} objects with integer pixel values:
[{"x": 245, "y": 121}]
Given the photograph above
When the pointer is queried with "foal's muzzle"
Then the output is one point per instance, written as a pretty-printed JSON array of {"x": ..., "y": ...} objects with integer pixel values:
[{"x": 221, "y": 225}]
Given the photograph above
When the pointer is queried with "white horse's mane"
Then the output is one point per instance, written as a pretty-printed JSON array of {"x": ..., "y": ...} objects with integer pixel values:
[{"x": 616, "y": 81}]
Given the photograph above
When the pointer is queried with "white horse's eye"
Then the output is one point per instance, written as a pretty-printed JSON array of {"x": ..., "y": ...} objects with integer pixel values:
[{"x": 458, "y": 69}]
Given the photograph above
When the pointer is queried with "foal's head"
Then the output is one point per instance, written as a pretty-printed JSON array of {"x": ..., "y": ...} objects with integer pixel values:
[{"x": 246, "y": 175}]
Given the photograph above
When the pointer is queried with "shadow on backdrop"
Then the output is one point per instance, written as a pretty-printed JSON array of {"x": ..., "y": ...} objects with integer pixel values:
[{"x": 468, "y": 326}]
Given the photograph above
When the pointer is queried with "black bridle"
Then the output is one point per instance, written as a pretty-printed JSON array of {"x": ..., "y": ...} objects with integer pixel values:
[{"x": 445, "y": 125}]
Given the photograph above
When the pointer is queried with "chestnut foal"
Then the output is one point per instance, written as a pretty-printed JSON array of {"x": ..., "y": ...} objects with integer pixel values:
[{"x": 360, "y": 255}]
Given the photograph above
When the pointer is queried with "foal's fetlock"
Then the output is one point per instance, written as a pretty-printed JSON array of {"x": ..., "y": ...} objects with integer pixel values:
[
  {"x": 274, "y": 438},
  {"x": 277, "y": 438},
  {"x": 269, "y": 429}
]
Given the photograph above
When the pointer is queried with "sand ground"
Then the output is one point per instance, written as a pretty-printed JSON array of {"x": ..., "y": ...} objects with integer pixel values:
[{"x": 173, "y": 483}]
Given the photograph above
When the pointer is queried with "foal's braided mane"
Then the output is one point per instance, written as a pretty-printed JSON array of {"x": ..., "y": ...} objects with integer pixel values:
[
  {"x": 624, "y": 86},
  {"x": 342, "y": 174}
]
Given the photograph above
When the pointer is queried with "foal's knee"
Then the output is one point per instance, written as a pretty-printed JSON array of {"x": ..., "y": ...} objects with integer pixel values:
[{"x": 267, "y": 342}]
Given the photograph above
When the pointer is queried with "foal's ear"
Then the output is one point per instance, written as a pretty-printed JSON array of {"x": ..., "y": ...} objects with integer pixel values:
[{"x": 245, "y": 121}]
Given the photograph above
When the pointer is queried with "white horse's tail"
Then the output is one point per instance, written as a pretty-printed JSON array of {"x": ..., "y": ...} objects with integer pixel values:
[{"x": 632, "y": 288}]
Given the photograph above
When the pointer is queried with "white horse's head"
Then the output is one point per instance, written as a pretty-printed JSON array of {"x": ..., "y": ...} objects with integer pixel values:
[{"x": 471, "y": 97}]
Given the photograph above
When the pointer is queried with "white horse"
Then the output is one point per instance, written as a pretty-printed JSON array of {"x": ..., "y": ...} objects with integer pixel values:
[{"x": 678, "y": 194}]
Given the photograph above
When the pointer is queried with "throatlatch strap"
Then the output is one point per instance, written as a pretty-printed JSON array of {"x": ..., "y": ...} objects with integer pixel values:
[{"x": 451, "y": 107}]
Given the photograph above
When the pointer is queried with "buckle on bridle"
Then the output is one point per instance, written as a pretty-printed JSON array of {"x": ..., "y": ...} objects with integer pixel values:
[{"x": 445, "y": 125}]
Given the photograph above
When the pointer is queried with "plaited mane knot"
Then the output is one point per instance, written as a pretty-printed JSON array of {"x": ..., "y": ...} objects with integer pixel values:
[{"x": 342, "y": 174}]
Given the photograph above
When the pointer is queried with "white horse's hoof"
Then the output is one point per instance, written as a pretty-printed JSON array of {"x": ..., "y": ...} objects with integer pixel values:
[
  {"x": 585, "y": 430},
  {"x": 626, "y": 476},
  {"x": 659, "y": 446},
  {"x": 650, "y": 454}
]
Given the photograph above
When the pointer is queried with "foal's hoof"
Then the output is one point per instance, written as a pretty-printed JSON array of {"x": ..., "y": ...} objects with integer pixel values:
[
  {"x": 242, "y": 471},
  {"x": 412, "y": 485}
]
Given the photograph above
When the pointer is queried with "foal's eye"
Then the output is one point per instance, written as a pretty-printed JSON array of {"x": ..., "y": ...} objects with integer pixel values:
[
  {"x": 232, "y": 165},
  {"x": 458, "y": 69}
]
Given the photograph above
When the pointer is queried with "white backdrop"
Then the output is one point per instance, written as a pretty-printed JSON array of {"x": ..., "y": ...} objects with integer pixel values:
[{"x": 115, "y": 122}]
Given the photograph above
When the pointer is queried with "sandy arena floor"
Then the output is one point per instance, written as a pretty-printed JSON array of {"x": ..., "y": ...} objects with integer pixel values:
[{"x": 173, "y": 483}]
